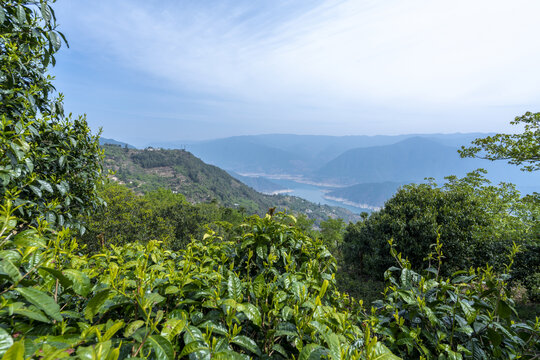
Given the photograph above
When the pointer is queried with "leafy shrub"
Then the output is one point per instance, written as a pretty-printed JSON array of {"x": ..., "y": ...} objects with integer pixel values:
[
  {"x": 270, "y": 293},
  {"x": 469, "y": 315}
]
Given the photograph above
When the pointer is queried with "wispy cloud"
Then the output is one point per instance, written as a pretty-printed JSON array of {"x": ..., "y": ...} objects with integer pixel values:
[{"x": 406, "y": 55}]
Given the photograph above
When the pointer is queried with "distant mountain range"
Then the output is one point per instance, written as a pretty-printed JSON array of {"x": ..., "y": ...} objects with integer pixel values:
[
  {"x": 350, "y": 160},
  {"x": 409, "y": 160}
]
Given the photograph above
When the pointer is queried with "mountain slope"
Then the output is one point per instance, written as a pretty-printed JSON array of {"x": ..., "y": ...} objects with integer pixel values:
[
  {"x": 259, "y": 183},
  {"x": 246, "y": 155},
  {"x": 181, "y": 171},
  {"x": 105, "y": 141},
  {"x": 410, "y": 160}
]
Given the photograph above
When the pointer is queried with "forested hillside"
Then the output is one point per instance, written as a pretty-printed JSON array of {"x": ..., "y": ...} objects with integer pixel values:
[
  {"x": 94, "y": 270},
  {"x": 180, "y": 171}
]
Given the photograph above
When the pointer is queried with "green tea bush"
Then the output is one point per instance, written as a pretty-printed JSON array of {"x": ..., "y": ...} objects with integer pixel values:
[
  {"x": 269, "y": 294},
  {"x": 468, "y": 315}
]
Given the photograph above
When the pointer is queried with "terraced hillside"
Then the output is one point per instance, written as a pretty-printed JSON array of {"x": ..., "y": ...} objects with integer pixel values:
[{"x": 181, "y": 171}]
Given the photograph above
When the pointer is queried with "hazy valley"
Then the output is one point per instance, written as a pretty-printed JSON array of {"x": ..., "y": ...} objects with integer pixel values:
[{"x": 357, "y": 172}]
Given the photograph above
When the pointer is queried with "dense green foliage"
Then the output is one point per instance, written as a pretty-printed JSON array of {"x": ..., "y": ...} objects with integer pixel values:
[
  {"x": 48, "y": 163},
  {"x": 469, "y": 314},
  {"x": 258, "y": 288},
  {"x": 518, "y": 149},
  {"x": 476, "y": 222},
  {"x": 269, "y": 293},
  {"x": 157, "y": 215}
]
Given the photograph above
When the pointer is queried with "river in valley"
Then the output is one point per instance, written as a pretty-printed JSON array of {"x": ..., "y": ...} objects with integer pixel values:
[{"x": 314, "y": 193}]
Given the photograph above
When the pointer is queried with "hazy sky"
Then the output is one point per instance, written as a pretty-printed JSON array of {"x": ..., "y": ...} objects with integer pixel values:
[{"x": 149, "y": 70}]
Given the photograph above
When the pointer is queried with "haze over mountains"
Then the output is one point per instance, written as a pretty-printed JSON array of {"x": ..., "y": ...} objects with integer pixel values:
[{"x": 370, "y": 166}]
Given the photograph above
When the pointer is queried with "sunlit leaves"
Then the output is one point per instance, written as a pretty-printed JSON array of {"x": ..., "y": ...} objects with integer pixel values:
[
  {"x": 42, "y": 301},
  {"x": 519, "y": 149}
]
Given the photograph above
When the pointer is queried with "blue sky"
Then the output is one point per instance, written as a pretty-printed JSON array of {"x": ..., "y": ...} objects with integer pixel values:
[{"x": 163, "y": 70}]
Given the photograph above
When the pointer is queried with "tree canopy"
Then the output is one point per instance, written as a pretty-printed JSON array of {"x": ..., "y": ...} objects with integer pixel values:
[
  {"x": 49, "y": 164},
  {"x": 518, "y": 149}
]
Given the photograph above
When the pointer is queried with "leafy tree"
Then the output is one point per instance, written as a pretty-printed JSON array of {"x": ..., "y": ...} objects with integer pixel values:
[
  {"x": 157, "y": 215},
  {"x": 332, "y": 231},
  {"x": 126, "y": 218},
  {"x": 475, "y": 221},
  {"x": 48, "y": 163},
  {"x": 519, "y": 149}
]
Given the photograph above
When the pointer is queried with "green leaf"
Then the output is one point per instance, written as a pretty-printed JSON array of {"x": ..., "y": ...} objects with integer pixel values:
[
  {"x": 259, "y": 285},
  {"x": 334, "y": 345},
  {"x": 171, "y": 290},
  {"x": 5, "y": 341},
  {"x": 32, "y": 313},
  {"x": 45, "y": 12},
  {"x": 324, "y": 286},
  {"x": 286, "y": 312},
  {"x": 42, "y": 301},
  {"x": 56, "y": 42},
  {"x": 2, "y": 16},
  {"x": 132, "y": 327},
  {"x": 494, "y": 336},
  {"x": 251, "y": 312},
  {"x": 193, "y": 334},
  {"x": 262, "y": 251},
  {"x": 61, "y": 188},
  {"x": 247, "y": 344},
  {"x": 310, "y": 352},
  {"x": 381, "y": 352},
  {"x": 29, "y": 164},
  {"x": 468, "y": 310},
  {"x": 278, "y": 348},
  {"x": 229, "y": 355},
  {"x": 15, "y": 352},
  {"x": 234, "y": 286},
  {"x": 190, "y": 348},
  {"x": 36, "y": 191},
  {"x": 66, "y": 283},
  {"x": 172, "y": 328},
  {"x": 28, "y": 238},
  {"x": 112, "y": 330},
  {"x": 46, "y": 186},
  {"x": 81, "y": 282},
  {"x": 504, "y": 310},
  {"x": 21, "y": 15},
  {"x": 11, "y": 270},
  {"x": 215, "y": 328},
  {"x": 95, "y": 303},
  {"x": 162, "y": 347}
]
